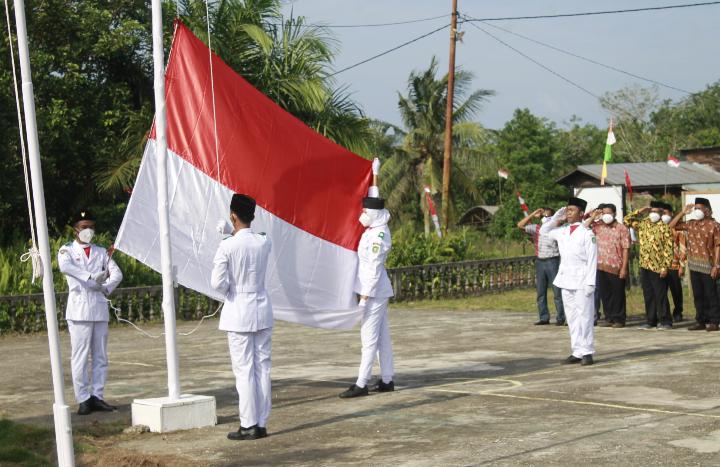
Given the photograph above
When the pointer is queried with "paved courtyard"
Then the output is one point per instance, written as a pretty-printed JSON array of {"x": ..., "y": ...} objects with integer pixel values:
[{"x": 474, "y": 388}]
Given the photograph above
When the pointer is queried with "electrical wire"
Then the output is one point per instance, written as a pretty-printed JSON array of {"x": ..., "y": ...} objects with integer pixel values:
[{"x": 375, "y": 25}]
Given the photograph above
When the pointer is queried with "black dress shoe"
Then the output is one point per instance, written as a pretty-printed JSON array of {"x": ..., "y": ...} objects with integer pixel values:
[
  {"x": 587, "y": 360},
  {"x": 246, "y": 434},
  {"x": 85, "y": 408},
  {"x": 263, "y": 431},
  {"x": 384, "y": 387},
  {"x": 99, "y": 405},
  {"x": 541, "y": 322},
  {"x": 697, "y": 327},
  {"x": 560, "y": 323},
  {"x": 354, "y": 391},
  {"x": 572, "y": 359}
]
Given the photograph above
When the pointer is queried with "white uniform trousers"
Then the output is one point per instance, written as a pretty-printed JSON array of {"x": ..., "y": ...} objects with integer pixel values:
[
  {"x": 88, "y": 339},
  {"x": 250, "y": 356},
  {"x": 580, "y": 315},
  {"x": 375, "y": 336}
]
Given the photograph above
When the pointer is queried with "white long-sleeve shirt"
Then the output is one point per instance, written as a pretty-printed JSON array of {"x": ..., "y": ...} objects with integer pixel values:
[
  {"x": 375, "y": 244},
  {"x": 578, "y": 253}
]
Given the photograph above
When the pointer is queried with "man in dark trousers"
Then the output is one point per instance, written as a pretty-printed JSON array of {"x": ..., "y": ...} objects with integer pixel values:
[
  {"x": 703, "y": 237},
  {"x": 677, "y": 268}
]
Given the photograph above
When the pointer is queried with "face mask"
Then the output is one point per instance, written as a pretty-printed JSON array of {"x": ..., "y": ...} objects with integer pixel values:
[
  {"x": 698, "y": 214},
  {"x": 545, "y": 219},
  {"x": 608, "y": 218},
  {"x": 365, "y": 219},
  {"x": 86, "y": 235},
  {"x": 666, "y": 219},
  {"x": 654, "y": 217}
]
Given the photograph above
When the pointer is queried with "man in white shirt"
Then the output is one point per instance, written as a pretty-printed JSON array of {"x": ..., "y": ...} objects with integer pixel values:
[
  {"x": 91, "y": 275},
  {"x": 239, "y": 274}
]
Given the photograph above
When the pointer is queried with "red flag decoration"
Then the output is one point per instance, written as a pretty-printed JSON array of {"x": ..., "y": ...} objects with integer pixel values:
[
  {"x": 503, "y": 173},
  {"x": 523, "y": 206},
  {"x": 308, "y": 190},
  {"x": 628, "y": 185},
  {"x": 433, "y": 212},
  {"x": 673, "y": 161}
]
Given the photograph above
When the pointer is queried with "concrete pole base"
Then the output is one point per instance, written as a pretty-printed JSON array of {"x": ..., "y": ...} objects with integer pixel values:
[{"x": 163, "y": 414}]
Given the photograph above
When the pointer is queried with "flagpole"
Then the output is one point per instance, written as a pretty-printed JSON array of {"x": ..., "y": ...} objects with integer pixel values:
[
  {"x": 168, "y": 300},
  {"x": 61, "y": 411}
]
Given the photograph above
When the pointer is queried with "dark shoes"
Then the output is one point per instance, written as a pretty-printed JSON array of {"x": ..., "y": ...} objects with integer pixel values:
[
  {"x": 247, "y": 434},
  {"x": 677, "y": 318},
  {"x": 711, "y": 327},
  {"x": 354, "y": 391},
  {"x": 93, "y": 404},
  {"x": 383, "y": 387},
  {"x": 697, "y": 327},
  {"x": 572, "y": 359},
  {"x": 587, "y": 360},
  {"x": 560, "y": 322},
  {"x": 542, "y": 322}
]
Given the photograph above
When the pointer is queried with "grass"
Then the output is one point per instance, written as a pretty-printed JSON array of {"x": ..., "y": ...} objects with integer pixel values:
[
  {"x": 26, "y": 445},
  {"x": 524, "y": 300}
]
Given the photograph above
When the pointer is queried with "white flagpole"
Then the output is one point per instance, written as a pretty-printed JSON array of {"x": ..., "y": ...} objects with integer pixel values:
[
  {"x": 63, "y": 428},
  {"x": 168, "y": 302}
]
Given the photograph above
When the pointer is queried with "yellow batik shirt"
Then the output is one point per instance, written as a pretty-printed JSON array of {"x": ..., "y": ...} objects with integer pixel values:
[{"x": 656, "y": 242}]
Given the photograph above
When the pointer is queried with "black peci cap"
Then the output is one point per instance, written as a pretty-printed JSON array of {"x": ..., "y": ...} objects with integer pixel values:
[
  {"x": 580, "y": 203},
  {"x": 703, "y": 201},
  {"x": 373, "y": 203},
  {"x": 82, "y": 215}
]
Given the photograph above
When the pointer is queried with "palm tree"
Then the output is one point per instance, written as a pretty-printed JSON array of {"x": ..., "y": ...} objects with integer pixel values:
[{"x": 419, "y": 159}]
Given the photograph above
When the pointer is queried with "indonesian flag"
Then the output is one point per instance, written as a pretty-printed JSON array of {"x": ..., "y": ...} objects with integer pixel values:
[
  {"x": 433, "y": 211},
  {"x": 607, "y": 157},
  {"x": 523, "y": 206},
  {"x": 308, "y": 190},
  {"x": 673, "y": 161},
  {"x": 628, "y": 185},
  {"x": 503, "y": 173}
]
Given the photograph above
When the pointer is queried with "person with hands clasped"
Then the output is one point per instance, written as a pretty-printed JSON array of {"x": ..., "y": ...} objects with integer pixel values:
[
  {"x": 703, "y": 256},
  {"x": 91, "y": 275},
  {"x": 374, "y": 289},
  {"x": 576, "y": 276}
]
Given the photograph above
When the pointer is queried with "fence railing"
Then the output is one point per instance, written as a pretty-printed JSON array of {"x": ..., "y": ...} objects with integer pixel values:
[{"x": 26, "y": 313}]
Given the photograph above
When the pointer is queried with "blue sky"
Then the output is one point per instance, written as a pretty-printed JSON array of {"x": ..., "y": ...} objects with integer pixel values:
[{"x": 677, "y": 47}]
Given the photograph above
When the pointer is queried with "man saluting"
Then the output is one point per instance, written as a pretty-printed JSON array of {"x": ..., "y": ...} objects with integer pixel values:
[{"x": 576, "y": 276}]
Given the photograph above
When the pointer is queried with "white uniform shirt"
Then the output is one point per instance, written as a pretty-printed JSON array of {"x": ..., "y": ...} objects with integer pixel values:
[
  {"x": 239, "y": 274},
  {"x": 84, "y": 303},
  {"x": 578, "y": 255},
  {"x": 372, "y": 278}
]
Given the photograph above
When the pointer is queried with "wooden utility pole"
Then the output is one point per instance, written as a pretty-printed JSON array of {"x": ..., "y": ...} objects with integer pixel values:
[{"x": 447, "y": 157}]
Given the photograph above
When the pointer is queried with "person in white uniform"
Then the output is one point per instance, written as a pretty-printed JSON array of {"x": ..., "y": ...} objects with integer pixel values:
[
  {"x": 373, "y": 286},
  {"x": 239, "y": 275},
  {"x": 91, "y": 275},
  {"x": 576, "y": 276}
]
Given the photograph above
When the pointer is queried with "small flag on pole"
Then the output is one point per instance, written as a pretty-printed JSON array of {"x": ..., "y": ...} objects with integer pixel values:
[
  {"x": 503, "y": 173},
  {"x": 433, "y": 212},
  {"x": 523, "y": 206},
  {"x": 673, "y": 161},
  {"x": 608, "y": 153},
  {"x": 628, "y": 185}
]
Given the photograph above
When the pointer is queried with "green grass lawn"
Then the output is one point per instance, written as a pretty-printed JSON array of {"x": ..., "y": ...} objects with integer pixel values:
[
  {"x": 524, "y": 300},
  {"x": 25, "y": 445}
]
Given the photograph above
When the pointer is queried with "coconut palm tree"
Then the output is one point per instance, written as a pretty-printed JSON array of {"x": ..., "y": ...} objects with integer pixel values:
[{"x": 418, "y": 161}]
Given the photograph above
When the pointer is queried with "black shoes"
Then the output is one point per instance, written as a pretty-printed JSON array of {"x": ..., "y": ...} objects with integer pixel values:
[
  {"x": 697, "y": 327},
  {"x": 572, "y": 359},
  {"x": 354, "y": 391},
  {"x": 383, "y": 387},
  {"x": 541, "y": 322},
  {"x": 248, "y": 434},
  {"x": 560, "y": 322},
  {"x": 587, "y": 360},
  {"x": 93, "y": 404}
]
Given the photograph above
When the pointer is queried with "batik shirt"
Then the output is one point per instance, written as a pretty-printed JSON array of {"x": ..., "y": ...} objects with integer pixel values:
[
  {"x": 656, "y": 242},
  {"x": 612, "y": 241},
  {"x": 702, "y": 238}
]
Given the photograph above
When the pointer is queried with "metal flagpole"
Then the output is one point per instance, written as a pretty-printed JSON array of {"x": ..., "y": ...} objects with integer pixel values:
[
  {"x": 63, "y": 429},
  {"x": 168, "y": 302}
]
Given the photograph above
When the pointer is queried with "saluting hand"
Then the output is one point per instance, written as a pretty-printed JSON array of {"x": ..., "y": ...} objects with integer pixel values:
[
  {"x": 689, "y": 208},
  {"x": 537, "y": 213}
]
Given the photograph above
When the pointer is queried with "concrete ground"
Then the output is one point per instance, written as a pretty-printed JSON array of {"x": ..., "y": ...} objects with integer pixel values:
[{"x": 474, "y": 388}]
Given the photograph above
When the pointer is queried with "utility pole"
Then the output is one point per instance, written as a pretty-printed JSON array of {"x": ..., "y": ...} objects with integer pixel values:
[{"x": 447, "y": 156}]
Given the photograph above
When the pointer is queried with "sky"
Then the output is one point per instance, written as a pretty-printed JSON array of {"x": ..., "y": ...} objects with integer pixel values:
[{"x": 677, "y": 47}]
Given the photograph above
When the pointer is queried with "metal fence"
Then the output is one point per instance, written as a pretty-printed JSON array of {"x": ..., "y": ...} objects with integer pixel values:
[{"x": 26, "y": 313}]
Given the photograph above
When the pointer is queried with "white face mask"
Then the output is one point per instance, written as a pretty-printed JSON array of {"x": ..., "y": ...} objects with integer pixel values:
[
  {"x": 666, "y": 219},
  {"x": 698, "y": 214},
  {"x": 365, "y": 219},
  {"x": 608, "y": 218},
  {"x": 654, "y": 217},
  {"x": 86, "y": 235}
]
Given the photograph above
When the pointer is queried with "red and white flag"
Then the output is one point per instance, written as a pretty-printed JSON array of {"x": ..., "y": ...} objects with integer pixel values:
[
  {"x": 308, "y": 190},
  {"x": 523, "y": 206},
  {"x": 433, "y": 211},
  {"x": 503, "y": 173},
  {"x": 673, "y": 161},
  {"x": 628, "y": 185}
]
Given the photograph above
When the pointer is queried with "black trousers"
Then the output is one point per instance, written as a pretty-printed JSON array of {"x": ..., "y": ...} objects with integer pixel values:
[
  {"x": 705, "y": 293},
  {"x": 612, "y": 295},
  {"x": 657, "y": 307},
  {"x": 675, "y": 286}
]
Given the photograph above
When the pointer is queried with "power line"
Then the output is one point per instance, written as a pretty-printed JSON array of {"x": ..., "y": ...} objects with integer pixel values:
[
  {"x": 595, "y": 62},
  {"x": 367, "y": 25},
  {"x": 593, "y": 13},
  {"x": 389, "y": 50}
]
